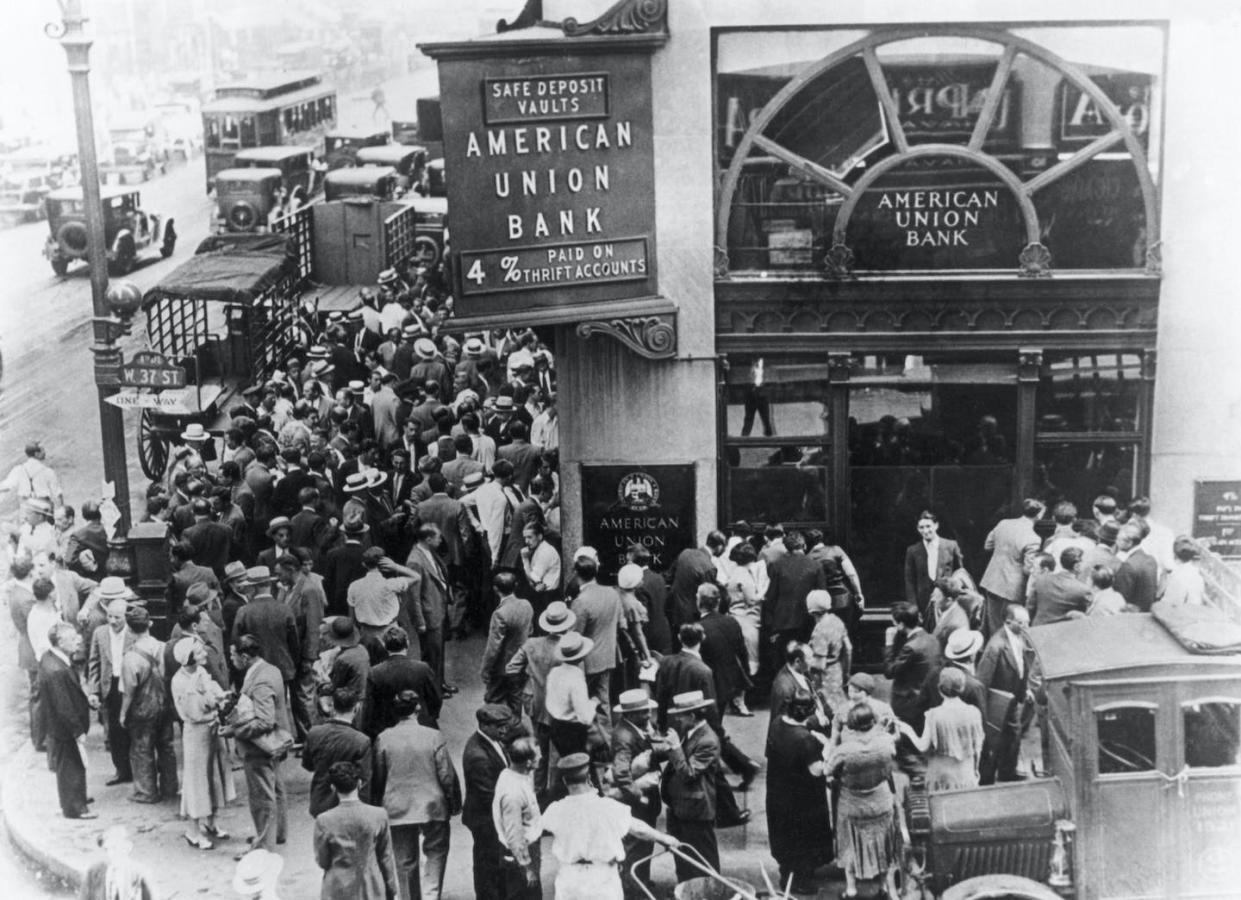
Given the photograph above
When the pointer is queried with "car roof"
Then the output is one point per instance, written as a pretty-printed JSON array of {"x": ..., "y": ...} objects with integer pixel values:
[
  {"x": 256, "y": 174},
  {"x": 1113, "y": 644},
  {"x": 357, "y": 131},
  {"x": 106, "y": 192},
  {"x": 388, "y": 152},
  {"x": 359, "y": 175},
  {"x": 266, "y": 154}
]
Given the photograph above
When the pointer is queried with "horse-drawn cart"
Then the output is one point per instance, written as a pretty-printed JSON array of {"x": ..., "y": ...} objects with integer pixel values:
[{"x": 228, "y": 317}]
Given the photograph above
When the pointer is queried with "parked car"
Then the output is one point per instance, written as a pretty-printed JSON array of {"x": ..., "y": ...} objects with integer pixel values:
[
  {"x": 139, "y": 149},
  {"x": 22, "y": 195},
  {"x": 298, "y": 169},
  {"x": 340, "y": 147},
  {"x": 129, "y": 230},
  {"x": 363, "y": 182},
  {"x": 410, "y": 162}
]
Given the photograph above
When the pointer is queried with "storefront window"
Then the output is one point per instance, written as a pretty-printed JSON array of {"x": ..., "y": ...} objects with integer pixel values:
[
  {"x": 778, "y": 484},
  {"x": 1212, "y": 734},
  {"x": 1098, "y": 392},
  {"x": 1081, "y": 471},
  {"x": 1126, "y": 740},
  {"x": 839, "y": 161},
  {"x": 784, "y": 396}
]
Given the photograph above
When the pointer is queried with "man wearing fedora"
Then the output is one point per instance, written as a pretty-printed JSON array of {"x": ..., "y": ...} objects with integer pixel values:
[
  {"x": 271, "y": 624},
  {"x": 636, "y": 753},
  {"x": 528, "y": 671},
  {"x": 280, "y": 532},
  {"x": 689, "y": 779},
  {"x": 343, "y": 564},
  {"x": 351, "y": 667}
]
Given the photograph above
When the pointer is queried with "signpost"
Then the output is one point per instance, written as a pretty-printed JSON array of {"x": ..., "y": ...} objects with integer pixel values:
[
  {"x": 648, "y": 505},
  {"x": 172, "y": 404},
  {"x": 1217, "y": 516},
  {"x": 151, "y": 370}
]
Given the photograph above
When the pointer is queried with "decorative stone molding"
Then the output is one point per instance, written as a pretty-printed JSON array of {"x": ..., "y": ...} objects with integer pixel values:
[
  {"x": 721, "y": 263},
  {"x": 839, "y": 262},
  {"x": 1035, "y": 261},
  {"x": 652, "y": 337},
  {"x": 1154, "y": 259},
  {"x": 625, "y": 17}
]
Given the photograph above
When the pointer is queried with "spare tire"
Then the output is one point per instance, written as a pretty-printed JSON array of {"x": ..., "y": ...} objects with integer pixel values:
[
  {"x": 71, "y": 238},
  {"x": 243, "y": 216}
]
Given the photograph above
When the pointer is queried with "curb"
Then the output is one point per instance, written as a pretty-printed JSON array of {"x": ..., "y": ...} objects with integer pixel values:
[{"x": 16, "y": 826}]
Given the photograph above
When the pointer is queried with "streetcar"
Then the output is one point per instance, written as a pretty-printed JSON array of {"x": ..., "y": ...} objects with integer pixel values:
[
  {"x": 1143, "y": 798},
  {"x": 266, "y": 110},
  {"x": 229, "y": 316}
]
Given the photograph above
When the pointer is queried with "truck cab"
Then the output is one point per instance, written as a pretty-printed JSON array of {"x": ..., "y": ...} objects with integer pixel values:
[
  {"x": 361, "y": 183},
  {"x": 1144, "y": 757}
]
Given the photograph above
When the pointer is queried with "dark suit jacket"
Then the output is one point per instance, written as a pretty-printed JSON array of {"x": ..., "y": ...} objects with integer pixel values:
[
  {"x": 908, "y": 661},
  {"x": 333, "y": 742},
  {"x": 212, "y": 543},
  {"x": 306, "y": 600},
  {"x": 689, "y": 781},
  {"x": 341, "y": 567},
  {"x": 677, "y": 674},
  {"x": 1137, "y": 580},
  {"x": 1053, "y": 596},
  {"x": 918, "y": 583},
  {"x": 93, "y": 537},
  {"x": 481, "y": 766},
  {"x": 284, "y": 497},
  {"x": 63, "y": 710},
  {"x": 527, "y": 511},
  {"x": 723, "y": 650},
  {"x": 525, "y": 460},
  {"x": 693, "y": 566},
  {"x": 627, "y": 743},
  {"x": 653, "y": 593},
  {"x": 453, "y": 522},
  {"x": 431, "y": 602},
  {"x": 997, "y": 668},
  {"x": 310, "y": 530},
  {"x": 390, "y": 677},
  {"x": 793, "y": 576},
  {"x": 271, "y": 624},
  {"x": 179, "y": 583},
  {"x": 783, "y": 686},
  {"x": 508, "y": 631}
]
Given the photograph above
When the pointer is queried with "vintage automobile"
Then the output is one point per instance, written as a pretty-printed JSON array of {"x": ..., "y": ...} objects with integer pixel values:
[
  {"x": 363, "y": 182},
  {"x": 435, "y": 184},
  {"x": 22, "y": 195},
  {"x": 138, "y": 149},
  {"x": 410, "y": 162},
  {"x": 1144, "y": 794},
  {"x": 249, "y": 199},
  {"x": 298, "y": 168},
  {"x": 340, "y": 147},
  {"x": 128, "y": 229}
]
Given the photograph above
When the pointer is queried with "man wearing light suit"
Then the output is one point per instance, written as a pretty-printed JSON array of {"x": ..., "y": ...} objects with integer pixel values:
[
  {"x": 508, "y": 632},
  {"x": 431, "y": 600},
  {"x": 103, "y": 680},
  {"x": 457, "y": 530},
  {"x": 1012, "y": 543},
  {"x": 927, "y": 561},
  {"x": 264, "y": 686}
]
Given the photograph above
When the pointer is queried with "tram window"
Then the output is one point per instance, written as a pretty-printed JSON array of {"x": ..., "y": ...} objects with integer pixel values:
[
  {"x": 1212, "y": 734},
  {"x": 249, "y": 135},
  {"x": 212, "y": 136},
  {"x": 288, "y": 120},
  {"x": 1126, "y": 739}
]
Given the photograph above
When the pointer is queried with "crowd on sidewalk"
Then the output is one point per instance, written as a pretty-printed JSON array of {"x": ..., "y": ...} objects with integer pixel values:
[{"x": 378, "y": 500}]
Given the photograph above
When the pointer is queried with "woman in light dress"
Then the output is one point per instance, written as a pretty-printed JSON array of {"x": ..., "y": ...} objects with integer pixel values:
[
  {"x": 747, "y": 585},
  {"x": 207, "y": 783},
  {"x": 952, "y": 737}
]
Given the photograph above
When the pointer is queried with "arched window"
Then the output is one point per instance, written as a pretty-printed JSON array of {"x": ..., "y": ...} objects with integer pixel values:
[{"x": 937, "y": 149}]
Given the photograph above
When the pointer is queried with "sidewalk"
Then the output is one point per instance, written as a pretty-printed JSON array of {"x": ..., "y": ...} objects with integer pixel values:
[{"x": 67, "y": 847}]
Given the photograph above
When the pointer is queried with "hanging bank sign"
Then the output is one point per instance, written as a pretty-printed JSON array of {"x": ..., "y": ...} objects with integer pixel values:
[{"x": 549, "y": 166}]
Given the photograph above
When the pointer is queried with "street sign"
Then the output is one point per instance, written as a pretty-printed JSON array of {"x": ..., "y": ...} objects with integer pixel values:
[
  {"x": 151, "y": 370},
  {"x": 172, "y": 405}
]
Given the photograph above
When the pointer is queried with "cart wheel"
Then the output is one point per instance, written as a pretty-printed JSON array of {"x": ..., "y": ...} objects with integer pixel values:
[{"x": 152, "y": 449}]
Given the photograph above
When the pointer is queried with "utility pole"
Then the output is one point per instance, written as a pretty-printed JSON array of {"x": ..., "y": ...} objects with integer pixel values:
[{"x": 71, "y": 32}]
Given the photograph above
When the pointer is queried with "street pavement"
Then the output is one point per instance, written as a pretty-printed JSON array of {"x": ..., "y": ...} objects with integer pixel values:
[{"x": 180, "y": 871}]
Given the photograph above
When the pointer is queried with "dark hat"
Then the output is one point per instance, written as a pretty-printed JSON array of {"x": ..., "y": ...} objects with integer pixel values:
[
  {"x": 1108, "y": 532},
  {"x": 33, "y": 447},
  {"x": 199, "y": 593},
  {"x": 137, "y": 615},
  {"x": 342, "y": 631},
  {"x": 573, "y": 762},
  {"x": 494, "y": 714}
]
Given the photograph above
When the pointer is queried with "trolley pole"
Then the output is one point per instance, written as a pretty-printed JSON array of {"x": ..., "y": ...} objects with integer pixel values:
[{"x": 71, "y": 33}]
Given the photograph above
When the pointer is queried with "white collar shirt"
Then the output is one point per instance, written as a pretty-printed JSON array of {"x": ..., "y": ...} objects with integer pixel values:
[{"x": 932, "y": 557}]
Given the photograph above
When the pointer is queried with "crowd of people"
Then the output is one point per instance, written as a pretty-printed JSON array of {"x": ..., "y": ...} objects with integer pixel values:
[{"x": 378, "y": 500}]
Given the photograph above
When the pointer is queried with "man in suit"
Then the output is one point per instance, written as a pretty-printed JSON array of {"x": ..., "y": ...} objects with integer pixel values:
[
  {"x": 65, "y": 714},
  {"x": 418, "y": 787},
  {"x": 927, "y": 561},
  {"x": 653, "y": 594},
  {"x": 723, "y": 648},
  {"x": 598, "y": 611},
  {"x": 1012, "y": 542},
  {"x": 108, "y": 647},
  {"x": 430, "y": 603},
  {"x": 482, "y": 761},
  {"x": 1137, "y": 579},
  {"x": 385, "y": 406},
  {"x": 635, "y": 777},
  {"x": 397, "y": 673},
  {"x": 522, "y": 454},
  {"x": 212, "y": 542},
  {"x": 792, "y": 677},
  {"x": 264, "y": 686},
  {"x": 184, "y": 573},
  {"x": 93, "y": 537},
  {"x": 1005, "y": 666},
  {"x": 353, "y": 844},
  {"x": 456, "y": 532},
  {"x": 332, "y": 741},
  {"x": 270, "y": 623},
  {"x": 303, "y": 596},
  {"x": 508, "y": 632},
  {"x": 1053, "y": 597},
  {"x": 342, "y": 565},
  {"x": 527, "y": 671},
  {"x": 456, "y": 469},
  {"x": 692, "y": 567},
  {"x": 909, "y": 655},
  {"x": 689, "y": 780},
  {"x": 794, "y": 575},
  {"x": 289, "y": 487},
  {"x": 308, "y": 528}
]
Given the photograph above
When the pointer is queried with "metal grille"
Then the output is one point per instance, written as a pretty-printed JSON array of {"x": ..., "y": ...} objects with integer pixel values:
[
  {"x": 1029, "y": 859},
  {"x": 272, "y": 337},
  {"x": 176, "y": 326},
  {"x": 400, "y": 232},
  {"x": 300, "y": 225}
]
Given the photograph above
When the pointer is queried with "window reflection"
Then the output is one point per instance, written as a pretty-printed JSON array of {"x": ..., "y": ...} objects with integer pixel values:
[
  {"x": 773, "y": 397},
  {"x": 778, "y": 484},
  {"x": 1212, "y": 734},
  {"x": 1079, "y": 472},
  {"x": 1089, "y": 393}
]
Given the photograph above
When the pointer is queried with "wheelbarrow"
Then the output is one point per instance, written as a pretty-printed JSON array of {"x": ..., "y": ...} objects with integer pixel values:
[{"x": 711, "y": 885}]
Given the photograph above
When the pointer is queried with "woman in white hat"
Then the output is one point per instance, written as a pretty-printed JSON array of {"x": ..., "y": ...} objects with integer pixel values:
[{"x": 207, "y": 782}]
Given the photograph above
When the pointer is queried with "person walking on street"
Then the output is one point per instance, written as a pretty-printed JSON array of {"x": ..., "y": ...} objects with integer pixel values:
[
  {"x": 588, "y": 833},
  {"x": 65, "y": 719},
  {"x": 146, "y": 713},
  {"x": 304, "y": 597},
  {"x": 1005, "y": 666},
  {"x": 482, "y": 761},
  {"x": 508, "y": 632},
  {"x": 636, "y": 754},
  {"x": 790, "y": 579},
  {"x": 353, "y": 844},
  {"x": 333, "y": 741},
  {"x": 398, "y": 672},
  {"x": 689, "y": 780},
  {"x": 418, "y": 787},
  {"x": 528, "y": 670},
  {"x": 264, "y": 688},
  {"x": 799, "y": 828},
  {"x": 518, "y": 822},
  {"x": 598, "y": 611}
]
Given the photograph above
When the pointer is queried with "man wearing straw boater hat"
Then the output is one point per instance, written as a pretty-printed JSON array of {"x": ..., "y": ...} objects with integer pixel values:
[
  {"x": 689, "y": 779},
  {"x": 588, "y": 834},
  {"x": 636, "y": 753},
  {"x": 528, "y": 670}
]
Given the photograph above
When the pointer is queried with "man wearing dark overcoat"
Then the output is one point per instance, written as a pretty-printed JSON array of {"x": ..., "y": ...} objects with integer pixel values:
[{"x": 65, "y": 713}]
